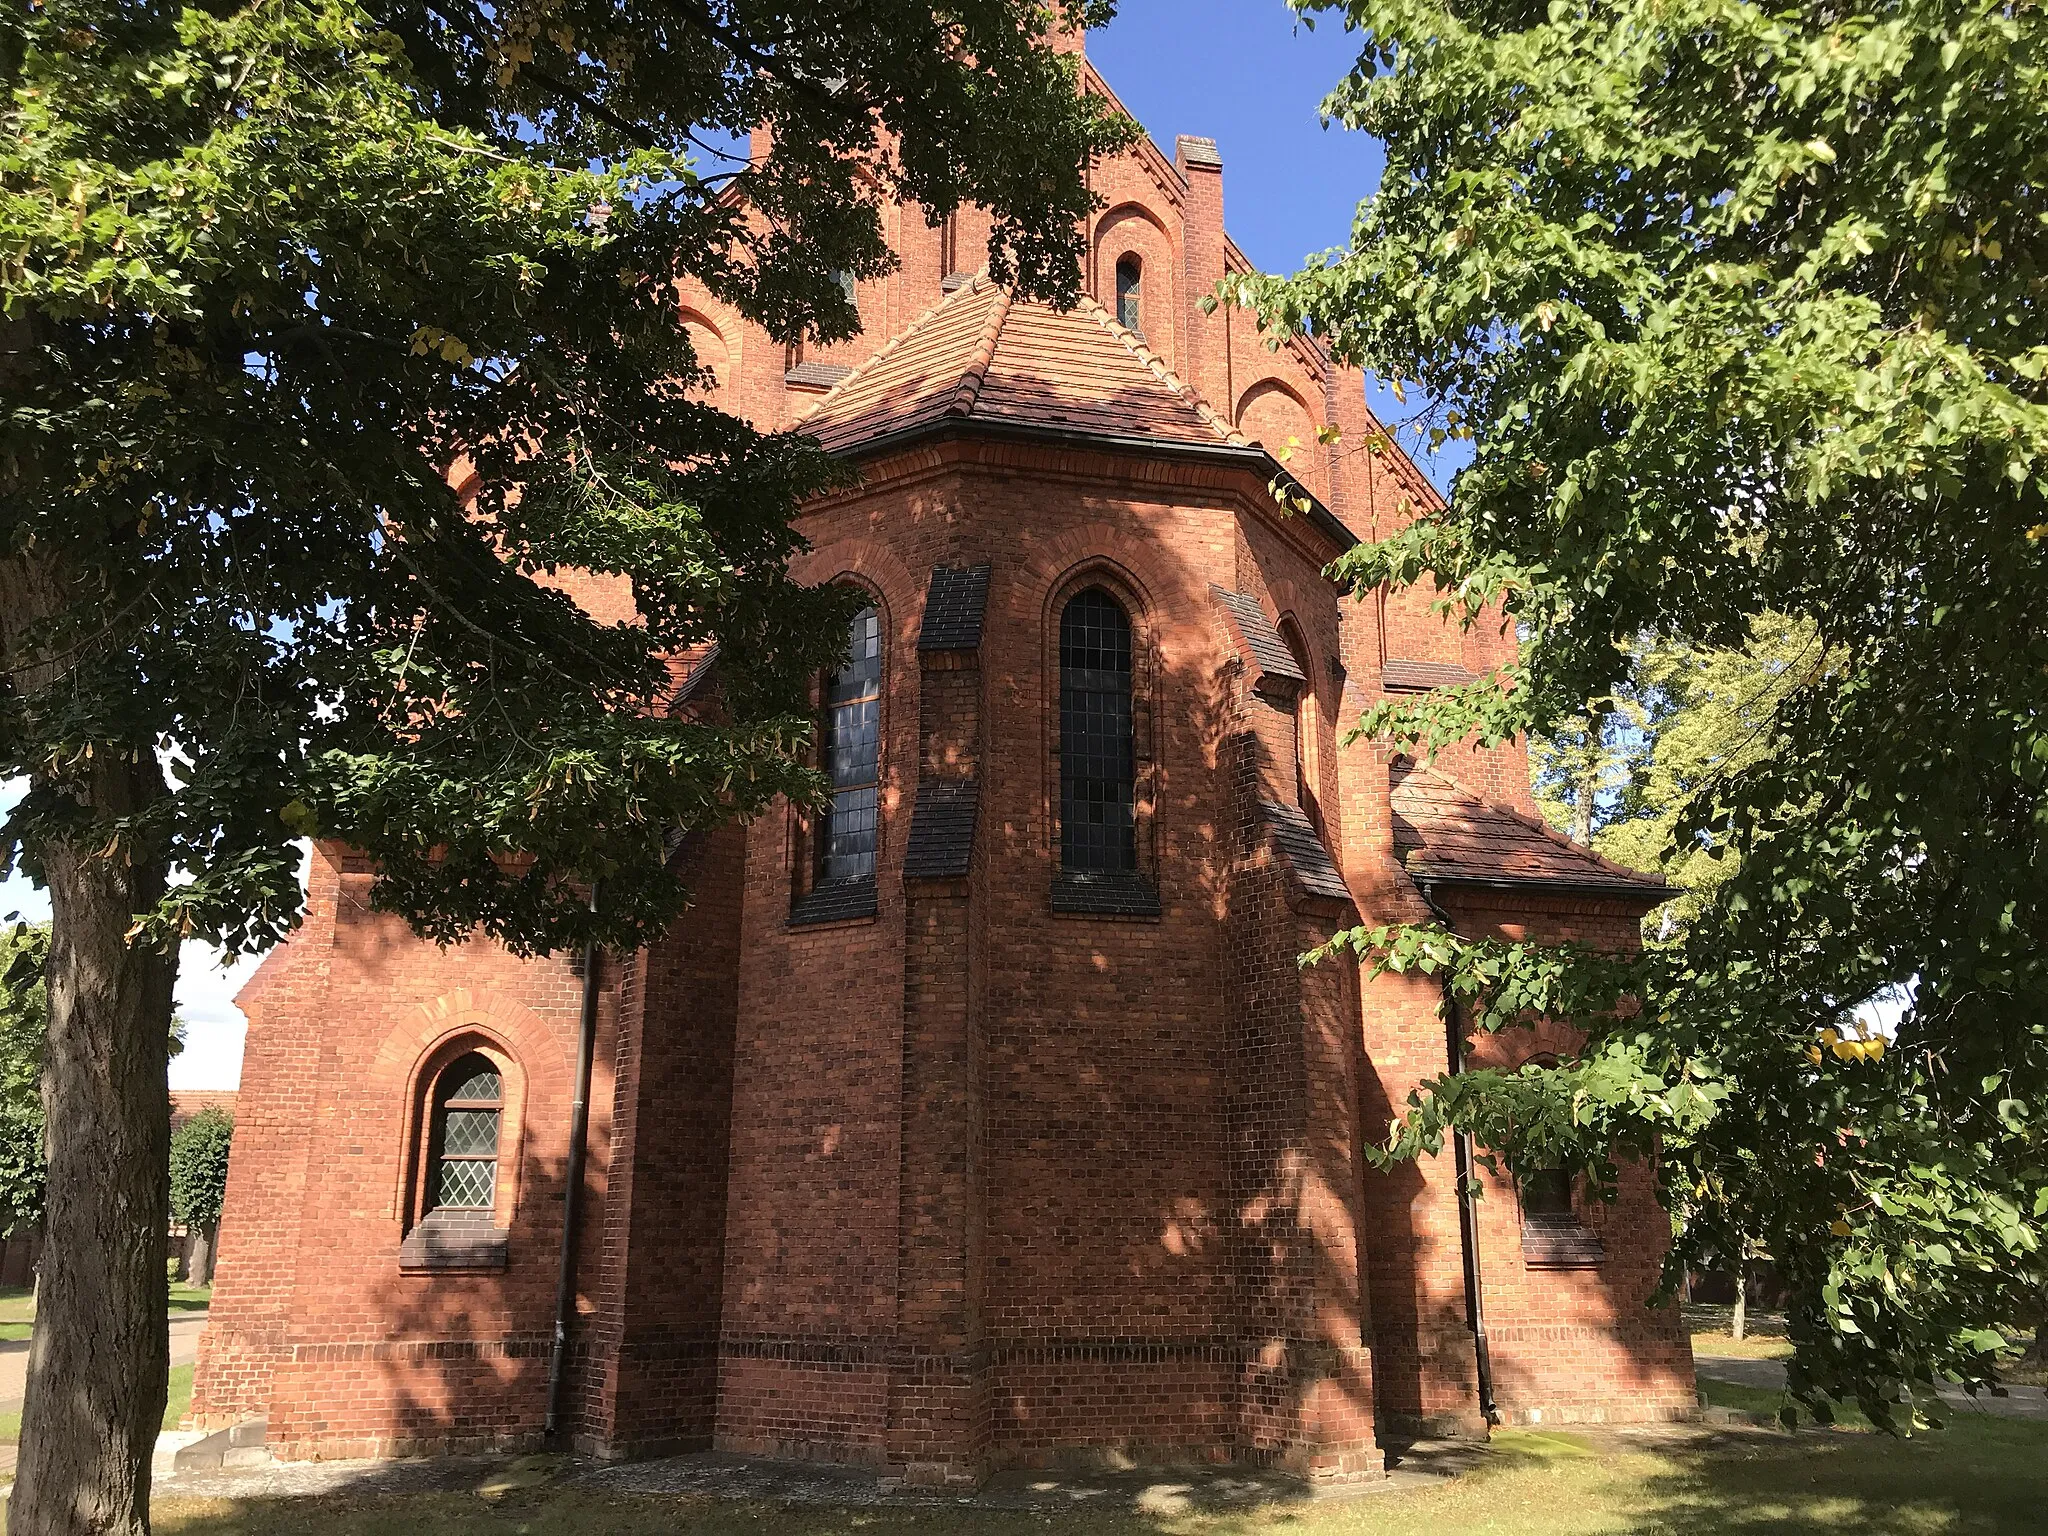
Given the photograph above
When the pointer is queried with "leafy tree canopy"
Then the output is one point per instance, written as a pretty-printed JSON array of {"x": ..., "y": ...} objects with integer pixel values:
[
  {"x": 199, "y": 1167},
  {"x": 24, "y": 1016},
  {"x": 1742, "y": 307},
  {"x": 329, "y": 331},
  {"x": 1682, "y": 717},
  {"x": 271, "y": 270}
]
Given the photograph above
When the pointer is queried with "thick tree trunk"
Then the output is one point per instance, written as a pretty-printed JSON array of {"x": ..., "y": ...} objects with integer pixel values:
[
  {"x": 199, "y": 1266},
  {"x": 1739, "y": 1324},
  {"x": 98, "y": 1357}
]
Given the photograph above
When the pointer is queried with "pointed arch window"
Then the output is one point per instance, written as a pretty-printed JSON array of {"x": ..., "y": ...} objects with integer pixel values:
[
  {"x": 1130, "y": 292},
  {"x": 469, "y": 1110},
  {"x": 852, "y": 741},
  {"x": 1098, "y": 830},
  {"x": 1307, "y": 729}
]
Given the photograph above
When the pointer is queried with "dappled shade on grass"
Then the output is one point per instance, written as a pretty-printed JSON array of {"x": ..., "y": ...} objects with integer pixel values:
[{"x": 1977, "y": 1477}]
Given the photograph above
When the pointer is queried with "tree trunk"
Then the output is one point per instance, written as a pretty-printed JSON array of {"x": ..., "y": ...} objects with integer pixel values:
[
  {"x": 2037, "y": 1352},
  {"x": 1739, "y": 1324},
  {"x": 199, "y": 1267},
  {"x": 99, "y": 1354}
]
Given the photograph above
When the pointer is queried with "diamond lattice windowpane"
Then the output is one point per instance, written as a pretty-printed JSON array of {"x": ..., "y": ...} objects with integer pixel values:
[
  {"x": 468, "y": 1132},
  {"x": 467, "y": 1182},
  {"x": 476, "y": 1082}
]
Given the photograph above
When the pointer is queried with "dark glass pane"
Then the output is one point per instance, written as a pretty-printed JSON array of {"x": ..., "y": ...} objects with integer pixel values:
[
  {"x": 467, "y": 1183},
  {"x": 1129, "y": 291},
  {"x": 1547, "y": 1192},
  {"x": 471, "y": 1080},
  {"x": 852, "y": 755},
  {"x": 849, "y": 852},
  {"x": 1097, "y": 761},
  {"x": 469, "y": 1132}
]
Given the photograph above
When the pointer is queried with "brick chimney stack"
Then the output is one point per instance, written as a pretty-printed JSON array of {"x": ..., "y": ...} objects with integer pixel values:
[{"x": 1208, "y": 338}]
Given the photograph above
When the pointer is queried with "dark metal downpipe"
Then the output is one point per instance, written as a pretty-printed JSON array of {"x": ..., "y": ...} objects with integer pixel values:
[
  {"x": 572, "y": 1189},
  {"x": 1468, "y": 1213}
]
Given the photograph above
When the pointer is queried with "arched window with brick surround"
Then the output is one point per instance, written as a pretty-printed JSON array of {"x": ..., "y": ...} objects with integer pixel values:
[
  {"x": 464, "y": 1161},
  {"x": 1098, "y": 760}
]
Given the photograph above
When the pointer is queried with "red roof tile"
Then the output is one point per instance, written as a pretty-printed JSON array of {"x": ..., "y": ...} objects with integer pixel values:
[
  {"x": 980, "y": 354},
  {"x": 1444, "y": 831}
]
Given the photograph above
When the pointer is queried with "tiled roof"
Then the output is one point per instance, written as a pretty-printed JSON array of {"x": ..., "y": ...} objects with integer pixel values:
[
  {"x": 1398, "y": 676},
  {"x": 1444, "y": 831},
  {"x": 980, "y": 354},
  {"x": 953, "y": 608},
  {"x": 1257, "y": 638},
  {"x": 942, "y": 832},
  {"x": 1302, "y": 846},
  {"x": 187, "y": 1102},
  {"x": 815, "y": 375}
]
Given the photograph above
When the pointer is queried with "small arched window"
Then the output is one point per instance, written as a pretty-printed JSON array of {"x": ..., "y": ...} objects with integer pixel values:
[
  {"x": 1307, "y": 729},
  {"x": 1098, "y": 831},
  {"x": 469, "y": 1111},
  {"x": 852, "y": 755},
  {"x": 1130, "y": 286}
]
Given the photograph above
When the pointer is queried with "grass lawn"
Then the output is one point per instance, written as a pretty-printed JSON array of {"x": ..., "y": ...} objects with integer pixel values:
[
  {"x": 1985, "y": 1477},
  {"x": 174, "y": 1410},
  {"x": 18, "y": 1306},
  {"x": 1764, "y": 1334}
]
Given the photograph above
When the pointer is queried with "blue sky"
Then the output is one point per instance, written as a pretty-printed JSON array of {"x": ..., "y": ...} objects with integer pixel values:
[{"x": 1241, "y": 72}]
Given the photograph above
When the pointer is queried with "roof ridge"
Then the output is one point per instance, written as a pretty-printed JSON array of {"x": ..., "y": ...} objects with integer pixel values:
[
  {"x": 1156, "y": 365},
  {"x": 1537, "y": 824},
  {"x": 973, "y": 285},
  {"x": 976, "y": 373}
]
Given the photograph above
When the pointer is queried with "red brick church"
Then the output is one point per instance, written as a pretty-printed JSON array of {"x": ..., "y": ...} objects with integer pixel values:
[{"x": 987, "y": 1116}]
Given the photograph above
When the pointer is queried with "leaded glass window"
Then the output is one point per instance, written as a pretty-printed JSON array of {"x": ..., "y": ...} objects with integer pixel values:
[
  {"x": 1097, "y": 757},
  {"x": 852, "y": 755},
  {"x": 1130, "y": 286},
  {"x": 469, "y": 1107}
]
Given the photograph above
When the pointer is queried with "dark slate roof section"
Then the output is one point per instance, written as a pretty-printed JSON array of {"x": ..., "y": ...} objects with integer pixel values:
[
  {"x": 1129, "y": 895},
  {"x": 1295, "y": 836},
  {"x": 953, "y": 608},
  {"x": 838, "y": 902},
  {"x": 1420, "y": 676},
  {"x": 1259, "y": 640},
  {"x": 816, "y": 375},
  {"x": 693, "y": 684},
  {"x": 942, "y": 831},
  {"x": 1560, "y": 1242}
]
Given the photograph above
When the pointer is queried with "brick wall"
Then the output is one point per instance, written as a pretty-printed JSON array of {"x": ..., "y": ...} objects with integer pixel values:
[{"x": 965, "y": 1181}]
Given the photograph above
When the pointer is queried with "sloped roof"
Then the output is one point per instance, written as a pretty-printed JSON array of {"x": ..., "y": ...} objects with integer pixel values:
[
  {"x": 1444, "y": 831},
  {"x": 983, "y": 355}
]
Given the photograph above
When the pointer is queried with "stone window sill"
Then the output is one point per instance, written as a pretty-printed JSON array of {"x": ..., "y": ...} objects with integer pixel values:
[
  {"x": 841, "y": 901},
  {"x": 1560, "y": 1242},
  {"x": 466, "y": 1240},
  {"x": 1105, "y": 895}
]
